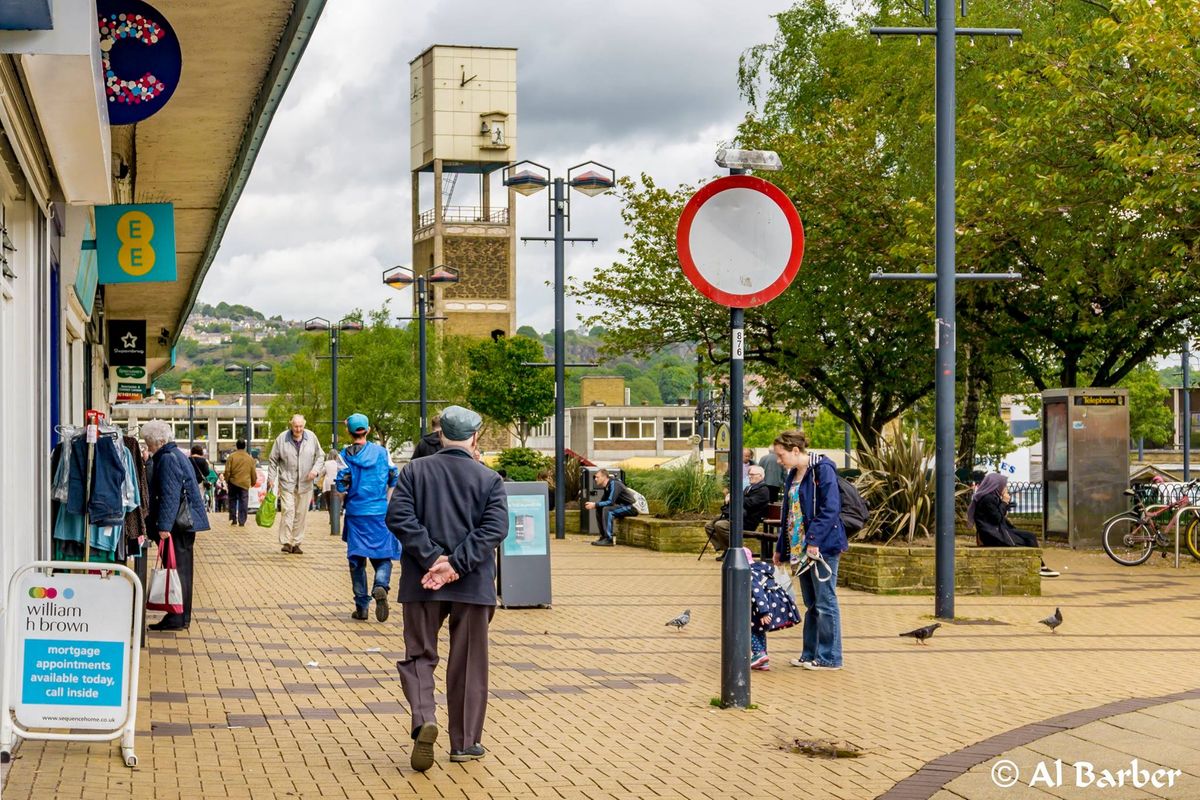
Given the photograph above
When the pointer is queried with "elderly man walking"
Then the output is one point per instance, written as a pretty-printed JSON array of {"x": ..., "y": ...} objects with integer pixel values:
[
  {"x": 296, "y": 459},
  {"x": 450, "y": 513}
]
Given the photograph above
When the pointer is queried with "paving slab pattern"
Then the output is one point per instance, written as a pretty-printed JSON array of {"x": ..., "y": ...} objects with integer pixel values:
[{"x": 596, "y": 698}]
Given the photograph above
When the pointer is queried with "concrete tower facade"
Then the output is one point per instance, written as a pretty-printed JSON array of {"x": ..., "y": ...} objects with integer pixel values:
[{"x": 464, "y": 129}]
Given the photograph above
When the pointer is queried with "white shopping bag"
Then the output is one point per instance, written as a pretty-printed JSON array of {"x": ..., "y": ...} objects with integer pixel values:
[{"x": 166, "y": 593}]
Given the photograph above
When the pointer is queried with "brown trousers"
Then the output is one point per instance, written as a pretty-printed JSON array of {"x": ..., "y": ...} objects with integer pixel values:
[{"x": 466, "y": 668}]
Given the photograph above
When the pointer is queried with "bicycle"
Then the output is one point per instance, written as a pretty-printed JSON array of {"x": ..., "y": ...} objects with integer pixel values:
[{"x": 1130, "y": 538}]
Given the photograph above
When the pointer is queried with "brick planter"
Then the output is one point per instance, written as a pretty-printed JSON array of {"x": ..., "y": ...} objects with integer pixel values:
[
  {"x": 985, "y": 571},
  {"x": 665, "y": 535}
]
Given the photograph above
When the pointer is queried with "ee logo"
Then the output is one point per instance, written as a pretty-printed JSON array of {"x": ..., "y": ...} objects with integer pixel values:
[{"x": 135, "y": 230}]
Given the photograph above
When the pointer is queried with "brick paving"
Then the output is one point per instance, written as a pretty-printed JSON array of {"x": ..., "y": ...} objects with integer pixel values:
[{"x": 275, "y": 692}]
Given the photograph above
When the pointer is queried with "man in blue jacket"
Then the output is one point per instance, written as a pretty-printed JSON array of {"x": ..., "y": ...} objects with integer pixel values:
[
  {"x": 365, "y": 480},
  {"x": 450, "y": 513},
  {"x": 811, "y": 525}
]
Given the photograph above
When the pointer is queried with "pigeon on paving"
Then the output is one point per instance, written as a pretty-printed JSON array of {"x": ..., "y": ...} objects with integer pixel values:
[
  {"x": 681, "y": 620},
  {"x": 921, "y": 634},
  {"x": 1053, "y": 621}
]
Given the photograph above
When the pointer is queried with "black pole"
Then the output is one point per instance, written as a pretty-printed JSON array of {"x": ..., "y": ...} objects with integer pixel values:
[
  {"x": 560, "y": 360},
  {"x": 191, "y": 422},
  {"x": 847, "y": 446},
  {"x": 735, "y": 567},
  {"x": 1187, "y": 412},
  {"x": 945, "y": 335},
  {"x": 335, "y": 499},
  {"x": 248, "y": 372},
  {"x": 421, "y": 348}
]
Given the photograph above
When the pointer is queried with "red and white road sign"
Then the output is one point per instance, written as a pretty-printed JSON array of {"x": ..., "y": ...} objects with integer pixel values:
[{"x": 740, "y": 241}]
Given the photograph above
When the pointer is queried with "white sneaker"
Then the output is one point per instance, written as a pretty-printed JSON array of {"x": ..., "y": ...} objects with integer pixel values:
[
  {"x": 796, "y": 662},
  {"x": 1046, "y": 572},
  {"x": 815, "y": 665}
]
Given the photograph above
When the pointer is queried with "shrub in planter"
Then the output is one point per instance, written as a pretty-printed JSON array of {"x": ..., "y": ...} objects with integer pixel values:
[
  {"x": 678, "y": 491},
  {"x": 523, "y": 464},
  {"x": 898, "y": 485}
]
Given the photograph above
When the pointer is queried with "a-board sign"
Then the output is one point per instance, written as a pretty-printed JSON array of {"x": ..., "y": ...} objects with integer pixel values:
[
  {"x": 524, "y": 569},
  {"x": 73, "y": 645}
]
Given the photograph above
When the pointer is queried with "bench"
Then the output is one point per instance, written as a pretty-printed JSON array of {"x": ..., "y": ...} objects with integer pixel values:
[{"x": 766, "y": 537}]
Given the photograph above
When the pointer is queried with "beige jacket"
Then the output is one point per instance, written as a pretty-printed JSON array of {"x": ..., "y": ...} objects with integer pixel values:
[{"x": 292, "y": 465}]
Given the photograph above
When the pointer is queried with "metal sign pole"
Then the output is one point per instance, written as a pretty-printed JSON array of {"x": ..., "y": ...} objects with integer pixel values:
[{"x": 735, "y": 567}]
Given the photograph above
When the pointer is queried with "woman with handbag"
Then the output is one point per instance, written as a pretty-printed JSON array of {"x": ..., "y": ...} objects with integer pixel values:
[{"x": 177, "y": 511}]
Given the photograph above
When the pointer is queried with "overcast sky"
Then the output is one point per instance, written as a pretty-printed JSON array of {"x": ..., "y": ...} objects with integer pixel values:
[{"x": 642, "y": 85}]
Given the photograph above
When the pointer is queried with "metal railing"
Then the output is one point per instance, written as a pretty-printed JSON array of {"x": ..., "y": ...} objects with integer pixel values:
[
  {"x": 474, "y": 214},
  {"x": 1027, "y": 496}
]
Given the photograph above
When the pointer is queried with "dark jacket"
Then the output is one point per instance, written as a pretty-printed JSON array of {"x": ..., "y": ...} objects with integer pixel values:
[
  {"x": 200, "y": 465},
  {"x": 616, "y": 494},
  {"x": 429, "y": 444},
  {"x": 991, "y": 523},
  {"x": 755, "y": 499},
  {"x": 821, "y": 503},
  {"x": 173, "y": 478},
  {"x": 449, "y": 504}
]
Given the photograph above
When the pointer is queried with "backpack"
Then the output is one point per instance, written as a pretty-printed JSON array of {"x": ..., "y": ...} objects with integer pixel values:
[
  {"x": 855, "y": 511},
  {"x": 639, "y": 501}
]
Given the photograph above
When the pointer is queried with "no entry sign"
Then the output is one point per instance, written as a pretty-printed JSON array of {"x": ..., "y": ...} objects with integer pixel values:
[{"x": 740, "y": 241}]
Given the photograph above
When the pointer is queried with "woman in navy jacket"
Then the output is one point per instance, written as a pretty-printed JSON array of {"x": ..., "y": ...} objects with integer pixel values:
[
  {"x": 173, "y": 484},
  {"x": 811, "y": 520}
]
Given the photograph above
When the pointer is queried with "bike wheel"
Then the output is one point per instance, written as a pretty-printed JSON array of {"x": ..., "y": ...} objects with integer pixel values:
[
  {"x": 1128, "y": 541},
  {"x": 1191, "y": 536}
]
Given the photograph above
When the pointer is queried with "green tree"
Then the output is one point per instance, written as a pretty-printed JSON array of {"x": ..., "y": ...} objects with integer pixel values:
[
  {"x": 380, "y": 379},
  {"x": 764, "y": 425},
  {"x": 643, "y": 390},
  {"x": 994, "y": 440},
  {"x": 826, "y": 432},
  {"x": 516, "y": 397},
  {"x": 1084, "y": 179},
  {"x": 1150, "y": 415}
]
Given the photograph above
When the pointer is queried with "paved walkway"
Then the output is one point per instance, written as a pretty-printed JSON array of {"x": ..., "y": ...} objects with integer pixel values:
[{"x": 274, "y": 692}]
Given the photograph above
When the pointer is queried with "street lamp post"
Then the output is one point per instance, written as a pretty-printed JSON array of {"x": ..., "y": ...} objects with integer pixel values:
[
  {"x": 399, "y": 278},
  {"x": 185, "y": 386},
  {"x": 247, "y": 371},
  {"x": 322, "y": 324},
  {"x": 591, "y": 178}
]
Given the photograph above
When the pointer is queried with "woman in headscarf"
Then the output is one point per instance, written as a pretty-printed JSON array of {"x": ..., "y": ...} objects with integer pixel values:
[{"x": 988, "y": 512}]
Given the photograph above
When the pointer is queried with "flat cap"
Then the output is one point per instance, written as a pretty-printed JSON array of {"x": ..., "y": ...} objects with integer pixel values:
[{"x": 459, "y": 424}]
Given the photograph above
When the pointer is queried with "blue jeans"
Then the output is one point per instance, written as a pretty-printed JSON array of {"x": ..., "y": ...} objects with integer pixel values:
[
  {"x": 608, "y": 513},
  {"x": 822, "y": 619},
  {"x": 358, "y": 578}
]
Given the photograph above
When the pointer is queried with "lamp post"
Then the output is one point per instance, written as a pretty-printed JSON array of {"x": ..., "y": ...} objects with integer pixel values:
[
  {"x": 322, "y": 324},
  {"x": 247, "y": 371},
  {"x": 945, "y": 276},
  {"x": 591, "y": 178},
  {"x": 185, "y": 386},
  {"x": 399, "y": 278}
]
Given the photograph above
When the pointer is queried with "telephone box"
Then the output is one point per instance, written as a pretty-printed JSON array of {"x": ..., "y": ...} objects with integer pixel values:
[{"x": 1085, "y": 462}]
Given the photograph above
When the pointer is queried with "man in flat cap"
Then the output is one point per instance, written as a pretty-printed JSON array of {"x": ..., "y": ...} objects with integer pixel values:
[{"x": 450, "y": 513}]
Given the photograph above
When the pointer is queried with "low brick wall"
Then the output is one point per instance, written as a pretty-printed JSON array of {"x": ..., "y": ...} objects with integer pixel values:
[
  {"x": 666, "y": 535},
  {"x": 985, "y": 571}
]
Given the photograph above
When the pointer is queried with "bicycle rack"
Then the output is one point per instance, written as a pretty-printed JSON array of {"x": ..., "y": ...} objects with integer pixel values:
[{"x": 1178, "y": 529}]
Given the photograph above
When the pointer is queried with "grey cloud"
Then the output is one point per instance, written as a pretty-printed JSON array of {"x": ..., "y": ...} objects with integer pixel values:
[{"x": 643, "y": 86}]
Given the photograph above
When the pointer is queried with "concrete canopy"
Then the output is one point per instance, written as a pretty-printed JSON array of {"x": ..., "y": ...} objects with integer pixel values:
[{"x": 198, "y": 150}]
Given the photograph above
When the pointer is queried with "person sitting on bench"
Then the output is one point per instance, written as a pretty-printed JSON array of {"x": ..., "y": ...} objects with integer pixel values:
[
  {"x": 988, "y": 512},
  {"x": 755, "y": 499}
]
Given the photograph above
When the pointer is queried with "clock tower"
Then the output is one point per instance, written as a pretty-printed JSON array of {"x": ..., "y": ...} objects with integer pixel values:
[{"x": 464, "y": 129}]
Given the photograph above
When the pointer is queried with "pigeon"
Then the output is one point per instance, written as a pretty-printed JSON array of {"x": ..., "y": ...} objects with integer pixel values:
[
  {"x": 921, "y": 634},
  {"x": 1053, "y": 621},
  {"x": 681, "y": 620}
]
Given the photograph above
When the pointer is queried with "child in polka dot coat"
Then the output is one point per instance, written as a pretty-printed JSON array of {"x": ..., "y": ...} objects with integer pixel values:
[{"x": 772, "y": 608}]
